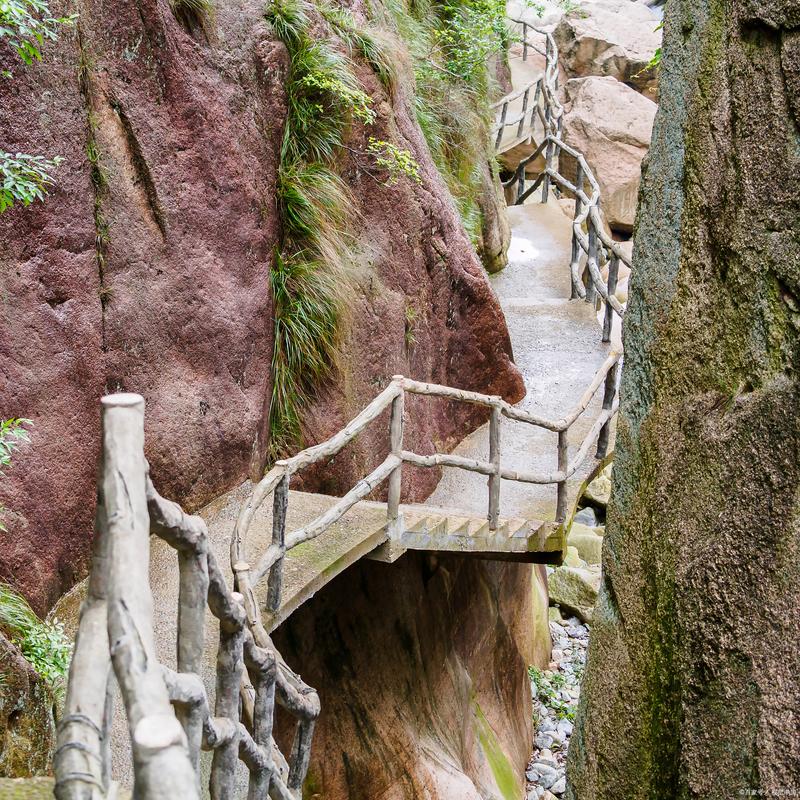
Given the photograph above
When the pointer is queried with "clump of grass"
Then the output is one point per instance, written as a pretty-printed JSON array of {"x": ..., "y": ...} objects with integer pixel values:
[
  {"x": 449, "y": 42},
  {"x": 324, "y": 98},
  {"x": 192, "y": 12},
  {"x": 363, "y": 41},
  {"x": 43, "y": 644}
]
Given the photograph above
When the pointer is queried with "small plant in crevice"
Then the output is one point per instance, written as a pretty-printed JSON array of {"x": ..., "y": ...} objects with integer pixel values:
[
  {"x": 13, "y": 435},
  {"x": 411, "y": 318},
  {"x": 44, "y": 645},
  {"x": 397, "y": 161},
  {"x": 547, "y": 686}
]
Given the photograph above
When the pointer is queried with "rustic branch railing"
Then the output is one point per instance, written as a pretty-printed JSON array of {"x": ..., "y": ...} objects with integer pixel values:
[
  {"x": 169, "y": 716},
  {"x": 589, "y": 236},
  {"x": 276, "y": 482}
]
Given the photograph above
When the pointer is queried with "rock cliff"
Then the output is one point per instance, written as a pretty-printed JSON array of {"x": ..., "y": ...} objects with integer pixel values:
[
  {"x": 691, "y": 689},
  {"x": 148, "y": 270},
  {"x": 421, "y": 669}
]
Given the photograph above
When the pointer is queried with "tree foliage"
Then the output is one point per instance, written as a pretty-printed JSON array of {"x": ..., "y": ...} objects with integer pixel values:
[{"x": 24, "y": 178}]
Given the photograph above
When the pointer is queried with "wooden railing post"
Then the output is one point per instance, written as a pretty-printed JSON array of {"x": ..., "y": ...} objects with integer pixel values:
[
  {"x": 280, "y": 503},
  {"x": 609, "y": 392},
  {"x": 613, "y": 275},
  {"x": 162, "y": 768},
  {"x": 502, "y": 126},
  {"x": 396, "y": 478},
  {"x": 521, "y": 126},
  {"x": 494, "y": 479},
  {"x": 192, "y": 600},
  {"x": 574, "y": 268},
  {"x": 591, "y": 292},
  {"x": 563, "y": 463},
  {"x": 524, "y": 41},
  {"x": 520, "y": 183}
]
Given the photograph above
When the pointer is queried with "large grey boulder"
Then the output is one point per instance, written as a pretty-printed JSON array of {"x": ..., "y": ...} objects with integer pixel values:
[
  {"x": 615, "y": 38},
  {"x": 575, "y": 589},
  {"x": 610, "y": 124}
]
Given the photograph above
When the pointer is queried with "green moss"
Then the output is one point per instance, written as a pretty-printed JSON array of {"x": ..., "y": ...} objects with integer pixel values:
[{"x": 502, "y": 770}]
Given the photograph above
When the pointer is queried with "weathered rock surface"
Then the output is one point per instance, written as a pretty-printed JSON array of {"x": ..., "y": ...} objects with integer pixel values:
[
  {"x": 151, "y": 274},
  {"x": 611, "y": 125},
  {"x": 27, "y": 729},
  {"x": 694, "y": 656},
  {"x": 586, "y": 541},
  {"x": 575, "y": 589},
  {"x": 421, "y": 669},
  {"x": 615, "y": 38}
]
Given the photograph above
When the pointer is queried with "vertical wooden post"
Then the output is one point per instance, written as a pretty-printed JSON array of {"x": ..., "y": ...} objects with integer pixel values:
[
  {"x": 162, "y": 768},
  {"x": 396, "y": 478},
  {"x": 574, "y": 267},
  {"x": 524, "y": 41},
  {"x": 613, "y": 275},
  {"x": 262, "y": 668},
  {"x": 520, "y": 183},
  {"x": 609, "y": 392},
  {"x": 192, "y": 599},
  {"x": 280, "y": 503},
  {"x": 502, "y": 126},
  {"x": 82, "y": 761},
  {"x": 494, "y": 479},
  {"x": 563, "y": 463},
  {"x": 591, "y": 292},
  {"x": 521, "y": 126},
  {"x": 230, "y": 664},
  {"x": 301, "y": 754}
]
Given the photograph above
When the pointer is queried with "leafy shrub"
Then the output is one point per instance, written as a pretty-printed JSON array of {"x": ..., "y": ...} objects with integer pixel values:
[
  {"x": 43, "y": 644},
  {"x": 24, "y": 178},
  {"x": 396, "y": 160},
  {"x": 26, "y": 25},
  {"x": 473, "y": 30}
]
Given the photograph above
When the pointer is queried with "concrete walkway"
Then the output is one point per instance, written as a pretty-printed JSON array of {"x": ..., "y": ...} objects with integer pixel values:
[{"x": 557, "y": 347}]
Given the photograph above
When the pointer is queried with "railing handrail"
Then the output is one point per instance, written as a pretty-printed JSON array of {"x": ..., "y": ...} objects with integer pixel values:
[
  {"x": 280, "y": 474},
  {"x": 595, "y": 243}
]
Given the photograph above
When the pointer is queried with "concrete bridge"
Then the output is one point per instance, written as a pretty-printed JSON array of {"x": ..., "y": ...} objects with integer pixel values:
[{"x": 245, "y": 564}]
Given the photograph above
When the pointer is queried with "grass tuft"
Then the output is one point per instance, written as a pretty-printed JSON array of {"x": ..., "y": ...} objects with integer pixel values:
[
  {"x": 43, "y": 644},
  {"x": 324, "y": 98},
  {"x": 192, "y": 12}
]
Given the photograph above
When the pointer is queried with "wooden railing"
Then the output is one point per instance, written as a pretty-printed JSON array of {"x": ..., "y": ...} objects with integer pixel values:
[
  {"x": 168, "y": 712},
  {"x": 276, "y": 482},
  {"x": 525, "y": 118},
  {"x": 589, "y": 236}
]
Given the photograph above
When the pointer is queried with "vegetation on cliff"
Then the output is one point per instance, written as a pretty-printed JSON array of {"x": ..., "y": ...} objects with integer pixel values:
[
  {"x": 26, "y": 25},
  {"x": 449, "y": 44}
]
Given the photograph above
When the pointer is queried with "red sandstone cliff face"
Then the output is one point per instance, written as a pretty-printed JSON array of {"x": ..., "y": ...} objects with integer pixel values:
[
  {"x": 152, "y": 275},
  {"x": 421, "y": 670}
]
